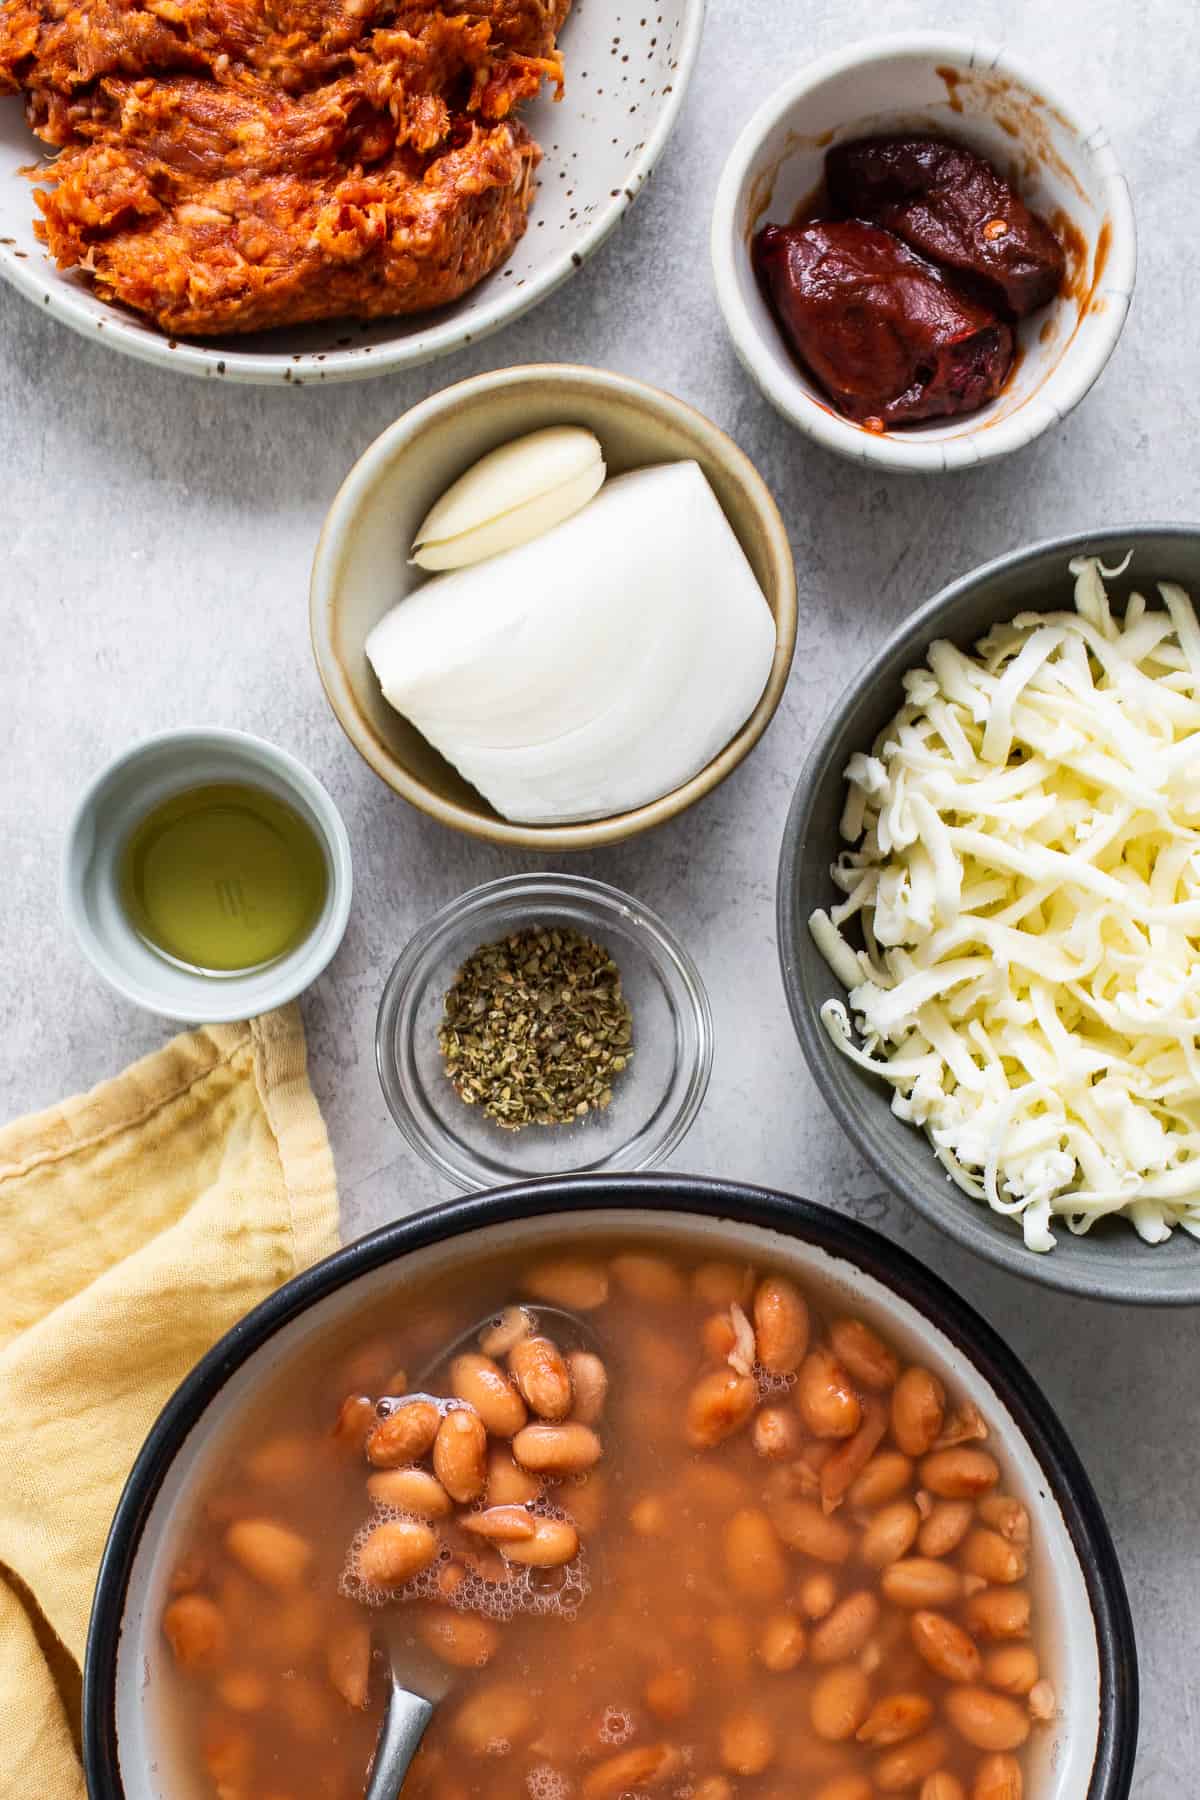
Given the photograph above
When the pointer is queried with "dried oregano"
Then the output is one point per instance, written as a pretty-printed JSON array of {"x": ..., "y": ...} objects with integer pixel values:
[{"x": 536, "y": 1028}]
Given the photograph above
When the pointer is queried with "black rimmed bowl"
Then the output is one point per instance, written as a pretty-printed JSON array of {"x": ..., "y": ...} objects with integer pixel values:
[
  {"x": 1090, "y": 1656},
  {"x": 1110, "y": 1262}
]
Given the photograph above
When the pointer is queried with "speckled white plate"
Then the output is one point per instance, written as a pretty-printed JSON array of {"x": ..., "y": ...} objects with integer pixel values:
[{"x": 627, "y": 67}]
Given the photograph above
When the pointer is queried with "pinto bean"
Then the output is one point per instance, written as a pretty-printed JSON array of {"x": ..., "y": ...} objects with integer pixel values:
[
  {"x": 291, "y": 1631},
  {"x": 714, "y": 1787},
  {"x": 729, "y": 1637},
  {"x": 754, "y": 1558},
  {"x": 244, "y": 1691},
  {"x": 495, "y": 1720},
  {"x": 846, "y": 1787},
  {"x": 500, "y": 1524},
  {"x": 651, "y": 1516},
  {"x": 986, "y": 1554},
  {"x": 895, "y": 1718},
  {"x": 817, "y": 1595},
  {"x": 828, "y": 1404},
  {"x": 412, "y": 1491},
  {"x": 888, "y": 1474},
  {"x": 507, "y": 1485},
  {"x": 945, "y": 1528},
  {"x": 348, "y": 1660},
  {"x": 669, "y": 1693},
  {"x": 461, "y": 1639},
  {"x": 651, "y": 1279},
  {"x": 987, "y": 1721},
  {"x": 864, "y": 1355},
  {"x": 588, "y": 1498},
  {"x": 805, "y": 1526},
  {"x": 394, "y": 1552},
  {"x": 839, "y": 1703},
  {"x": 908, "y": 1764},
  {"x": 554, "y": 1542},
  {"x": 542, "y": 1377},
  {"x": 917, "y": 1581},
  {"x": 890, "y": 1534},
  {"x": 775, "y": 1433},
  {"x": 959, "y": 1474},
  {"x": 846, "y": 1629},
  {"x": 483, "y": 1384},
  {"x": 460, "y": 1455},
  {"x": 1007, "y": 1516},
  {"x": 355, "y": 1422},
  {"x": 567, "y": 1449},
  {"x": 945, "y": 1647},
  {"x": 718, "y": 1336},
  {"x": 643, "y": 1766},
  {"x": 570, "y": 1282},
  {"x": 283, "y": 1460},
  {"x": 998, "y": 1613},
  {"x": 228, "y": 1753},
  {"x": 918, "y": 1408},
  {"x": 1041, "y": 1701},
  {"x": 942, "y": 1785},
  {"x": 781, "y": 1642},
  {"x": 722, "y": 1284},
  {"x": 747, "y": 1740},
  {"x": 505, "y": 1330},
  {"x": 589, "y": 1385},
  {"x": 998, "y": 1778},
  {"x": 272, "y": 1553},
  {"x": 366, "y": 1369},
  {"x": 1013, "y": 1668},
  {"x": 781, "y": 1325},
  {"x": 405, "y": 1436},
  {"x": 720, "y": 1404},
  {"x": 196, "y": 1630}
]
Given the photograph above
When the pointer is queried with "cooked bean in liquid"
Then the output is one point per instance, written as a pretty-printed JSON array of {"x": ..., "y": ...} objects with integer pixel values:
[{"x": 724, "y": 1546}]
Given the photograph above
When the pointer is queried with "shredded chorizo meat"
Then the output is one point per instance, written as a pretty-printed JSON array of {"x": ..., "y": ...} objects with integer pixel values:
[{"x": 232, "y": 165}]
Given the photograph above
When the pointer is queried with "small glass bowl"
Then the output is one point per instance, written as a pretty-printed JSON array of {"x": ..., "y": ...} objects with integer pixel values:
[{"x": 654, "y": 1100}]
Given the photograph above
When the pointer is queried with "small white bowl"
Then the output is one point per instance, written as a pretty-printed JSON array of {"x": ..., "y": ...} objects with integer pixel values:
[
  {"x": 119, "y": 798},
  {"x": 1064, "y": 168}
]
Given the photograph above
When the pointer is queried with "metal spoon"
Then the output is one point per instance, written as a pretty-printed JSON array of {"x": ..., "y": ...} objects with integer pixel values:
[{"x": 419, "y": 1682}]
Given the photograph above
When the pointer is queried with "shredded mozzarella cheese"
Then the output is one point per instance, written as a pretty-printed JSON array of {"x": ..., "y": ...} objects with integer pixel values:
[{"x": 1025, "y": 872}]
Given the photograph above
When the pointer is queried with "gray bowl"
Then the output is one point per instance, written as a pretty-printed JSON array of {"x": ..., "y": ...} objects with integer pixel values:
[{"x": 1110, "y": 1262}]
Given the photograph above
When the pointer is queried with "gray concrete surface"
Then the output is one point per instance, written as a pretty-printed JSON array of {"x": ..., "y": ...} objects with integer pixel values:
[{"x": 156, "y": 538}]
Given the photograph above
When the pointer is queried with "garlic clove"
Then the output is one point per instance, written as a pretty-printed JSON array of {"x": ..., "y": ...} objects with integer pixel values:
[{"x": 510, "y": 496}]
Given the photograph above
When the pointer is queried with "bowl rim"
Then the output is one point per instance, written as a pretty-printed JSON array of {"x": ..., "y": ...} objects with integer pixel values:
[
  {"x": 772, "y": 1209},
  {"x": 976, "y": 1229},
  {"x": 358, "y": 363},
  {"x": 537, "y": 889},
  {"x": 217, "y": 1002},
  {"x": 1087, "y": 355},
  {"x": 399, "y": 438}
]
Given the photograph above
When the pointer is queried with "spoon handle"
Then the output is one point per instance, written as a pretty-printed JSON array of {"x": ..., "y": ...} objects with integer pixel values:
[{"x": 399, "y": 1740}]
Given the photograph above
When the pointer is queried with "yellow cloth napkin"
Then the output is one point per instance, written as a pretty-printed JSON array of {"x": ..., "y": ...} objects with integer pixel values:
[{"x": 137, "y": 1224}]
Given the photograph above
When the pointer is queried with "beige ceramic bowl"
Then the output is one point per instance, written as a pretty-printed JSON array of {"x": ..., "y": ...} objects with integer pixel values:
[{"x": 361, "y": 567}]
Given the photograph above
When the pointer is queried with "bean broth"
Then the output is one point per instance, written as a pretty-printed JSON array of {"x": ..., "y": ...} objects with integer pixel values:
[{"x": 744, "y": 1552}]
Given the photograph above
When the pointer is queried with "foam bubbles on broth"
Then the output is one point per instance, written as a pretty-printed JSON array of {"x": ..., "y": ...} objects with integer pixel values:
[{"x": 545, "y": 1593}]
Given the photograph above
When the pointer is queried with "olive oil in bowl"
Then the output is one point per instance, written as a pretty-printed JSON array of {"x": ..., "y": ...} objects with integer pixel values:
[{"x": 223, "y": 878}]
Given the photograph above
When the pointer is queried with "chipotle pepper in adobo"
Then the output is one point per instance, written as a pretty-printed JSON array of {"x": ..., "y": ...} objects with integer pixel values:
[
  {"x": 886, "y": 334},
  {"x": 950, "y": 205},
  {"x": 900, "y": 293}
]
